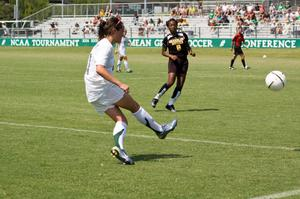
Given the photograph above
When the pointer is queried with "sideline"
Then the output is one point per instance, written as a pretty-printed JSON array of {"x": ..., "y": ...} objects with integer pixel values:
[
  {"x": 279, "y": 195},
  {"x": 152, "y": 137}
]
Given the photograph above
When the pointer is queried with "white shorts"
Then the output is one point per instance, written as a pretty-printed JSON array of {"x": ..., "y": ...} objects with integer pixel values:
[
  {"x": 122, "y": 52},
  {"x": 107, "y": 100}
]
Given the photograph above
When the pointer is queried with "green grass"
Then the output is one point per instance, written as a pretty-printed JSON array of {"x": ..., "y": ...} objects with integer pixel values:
[{"x": 54, "y": 145}]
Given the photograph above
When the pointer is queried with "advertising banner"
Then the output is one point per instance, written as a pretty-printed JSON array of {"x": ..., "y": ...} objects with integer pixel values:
[{"x": 151, "y": 42}]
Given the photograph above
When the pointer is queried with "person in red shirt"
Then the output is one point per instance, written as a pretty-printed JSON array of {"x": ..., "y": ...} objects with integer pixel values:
[{"x": 236, "y": 46}]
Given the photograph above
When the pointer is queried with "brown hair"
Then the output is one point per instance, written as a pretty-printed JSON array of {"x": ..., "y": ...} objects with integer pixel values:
[{"x": 105, "y": 27}]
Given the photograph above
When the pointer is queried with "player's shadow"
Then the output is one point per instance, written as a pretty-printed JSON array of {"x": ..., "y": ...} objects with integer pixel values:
[
  {"x": 297, "y": 149},
  {"x": 190, "y": 110},
  {"x": 153, "y": 157}
]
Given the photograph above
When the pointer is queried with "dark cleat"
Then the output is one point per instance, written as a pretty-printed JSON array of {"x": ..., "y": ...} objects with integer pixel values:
[
  {"x": 171, "y": 108},
  {"x": 154, "y": 102}
]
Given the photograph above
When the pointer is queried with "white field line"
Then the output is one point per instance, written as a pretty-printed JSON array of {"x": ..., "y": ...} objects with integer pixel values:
[
  {"x": 151, "y": 137},
  {"x": 80, "y": 80},
  {"x": 279, "y": 195}
]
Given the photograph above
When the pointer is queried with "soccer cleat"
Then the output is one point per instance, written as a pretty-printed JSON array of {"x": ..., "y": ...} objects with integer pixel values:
[
  {"x": 231, "y": 68},
  {"x": 154, "y": 102},
  {"x": 171, "y": 108},
  {"x": 118, "y": 70},
  {"x": 129, "y": 71},
  {"x": 246, "y": 67},
  {"x": 121, "y": 155},
  {"x": 167, "y": 128}
]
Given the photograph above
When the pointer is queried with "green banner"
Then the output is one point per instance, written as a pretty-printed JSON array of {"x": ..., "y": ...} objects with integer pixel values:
[
  {"x": 152, "y": 42},
  {"x": 47, "y": 42},
  {"x": 223, "y": 43}
]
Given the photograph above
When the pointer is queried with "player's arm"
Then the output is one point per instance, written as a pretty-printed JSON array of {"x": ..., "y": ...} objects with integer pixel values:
[
  {"x": 106, "y": 75},
  {"x": 232, "y": 42},
  {"x": 164, "y": 52}
]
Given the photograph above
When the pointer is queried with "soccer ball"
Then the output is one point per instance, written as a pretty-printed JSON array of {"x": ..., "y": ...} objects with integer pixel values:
[{"x": 275, "y": 80}]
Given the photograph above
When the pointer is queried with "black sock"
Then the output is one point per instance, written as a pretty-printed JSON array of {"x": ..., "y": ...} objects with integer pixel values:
[
  {"x": 165, "y": 86},
  {"x": 244, "y": 64},
  {"x": 232, "y": 61},
  {"x": 176, "y": 90}
]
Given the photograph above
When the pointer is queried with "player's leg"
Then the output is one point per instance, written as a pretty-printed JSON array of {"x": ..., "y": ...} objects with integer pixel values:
[
  {"x": 181, "y": 75},
  {"x": 119, "y": 63},
  {"x": 119, "y": 133},
  {"x": 166, "y": 86},
  {"x": 232, "y": 61},
  {"x": 244, "y": 61},
  {"x": 127, "y": 102},
  {"x": 127, "y": 69},
  {"x": 176, "y": 93}
]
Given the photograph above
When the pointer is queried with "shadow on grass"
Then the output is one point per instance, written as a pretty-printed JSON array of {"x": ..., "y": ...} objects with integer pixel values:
[
  {"x": 151, "y": 157},
  {"x": 191, "y": 110},
  {"x": 297, "y": 149}
]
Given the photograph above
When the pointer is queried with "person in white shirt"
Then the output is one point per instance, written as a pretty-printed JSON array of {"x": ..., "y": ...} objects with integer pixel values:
[
  {"x": 108, "y": 94},
  {"x": 122, "y": 53}
]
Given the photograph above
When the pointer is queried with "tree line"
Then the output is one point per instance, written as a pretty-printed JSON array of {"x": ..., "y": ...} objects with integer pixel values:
[{"x": 28, "y": 7}]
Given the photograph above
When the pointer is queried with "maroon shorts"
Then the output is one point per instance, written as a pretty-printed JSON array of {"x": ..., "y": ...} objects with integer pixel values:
[{"x": 180, "y": 66}]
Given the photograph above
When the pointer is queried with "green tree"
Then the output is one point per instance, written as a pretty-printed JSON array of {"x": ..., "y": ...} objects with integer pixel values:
[
  {"x": 88, "y": 1},
  {"x": 26, "y": 7},
  {"x": 6, "y": 11}
]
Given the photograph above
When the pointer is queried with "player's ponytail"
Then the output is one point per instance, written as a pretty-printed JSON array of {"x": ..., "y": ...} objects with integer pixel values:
[
  {"x": 105, "y": 27},
  {"x": 101, "y": 31}
]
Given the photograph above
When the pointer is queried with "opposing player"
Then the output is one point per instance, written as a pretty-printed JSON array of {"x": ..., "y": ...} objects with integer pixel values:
[
  {"x": 236, "y": 46},
  {"x": 175, "y": 46},
  {"x": 108, "y": 94},
  {"x": 122, "y": 53}
]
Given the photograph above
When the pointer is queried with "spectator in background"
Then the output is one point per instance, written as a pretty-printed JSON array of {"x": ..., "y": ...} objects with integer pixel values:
[
  {"x": 101, "y": 13},
  {"x": 135, "y": 19},
  {"x": 160, "y": 26},
  {"x": 53, "y": 27},
  {"x": 5, "y": 29},
  {"x": 75, "y": 30},
  {"x": 297, "y": 14},
  {"x": 86, "y": 28}
]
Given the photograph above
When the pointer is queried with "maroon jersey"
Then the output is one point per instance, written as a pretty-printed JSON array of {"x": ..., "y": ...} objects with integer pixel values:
[
  {"x": 237, "y": 40},
  {"x": 177, "y": 44}
]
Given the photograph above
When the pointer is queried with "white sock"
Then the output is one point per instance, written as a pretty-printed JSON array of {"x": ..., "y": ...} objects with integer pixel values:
[
  {"x": 143, "y": 116},
  {"x": 158, "y": 95},
  {"x": 173, "y": 100},
  {"x": 119, "y": 65},
  {"x": 126, "y": 65},
  {"x": 119, "y": 134}
]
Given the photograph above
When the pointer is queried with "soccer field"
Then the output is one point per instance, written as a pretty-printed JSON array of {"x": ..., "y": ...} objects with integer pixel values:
[{"x": 235, "y": 138}]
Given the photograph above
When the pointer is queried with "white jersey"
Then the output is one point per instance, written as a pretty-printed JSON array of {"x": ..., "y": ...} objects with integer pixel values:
[
  {"x": 101, "y": 54},
  {"x": 122, "y": 46}
]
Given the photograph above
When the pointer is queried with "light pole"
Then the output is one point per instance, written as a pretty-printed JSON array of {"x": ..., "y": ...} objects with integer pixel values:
[
  {"x": 62, "y": 8},
  {"x": 17, "y": 13}
]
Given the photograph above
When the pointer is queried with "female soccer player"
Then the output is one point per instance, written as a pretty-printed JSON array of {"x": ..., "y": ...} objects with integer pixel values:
[
  {"x": 122, "y": 54},
  {"x": 108, "y": 94},
  {"x": 236, "y": 46},
  {"x": 175, "y": 46}
]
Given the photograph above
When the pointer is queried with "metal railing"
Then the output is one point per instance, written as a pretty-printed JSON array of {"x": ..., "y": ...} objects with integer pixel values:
[
  {"x": 136, "y": 31},
  {"x": 89, "y": 10}
]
